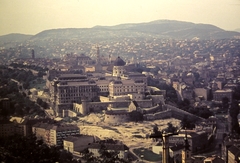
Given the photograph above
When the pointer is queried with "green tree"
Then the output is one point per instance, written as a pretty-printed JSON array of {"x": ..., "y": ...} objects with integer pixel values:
[
  {"x": 89, "y": 157},
  {"x": 187, "y": 123},
  {"x": 18, "y": 148},
  {"x": 108, "y": 156},
  {"x": 170, "y": 128}
]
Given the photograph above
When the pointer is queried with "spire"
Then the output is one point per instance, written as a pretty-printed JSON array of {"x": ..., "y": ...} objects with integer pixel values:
[
  {"x": 98, "y": 55},
  {"x": 186, "y": 143}
]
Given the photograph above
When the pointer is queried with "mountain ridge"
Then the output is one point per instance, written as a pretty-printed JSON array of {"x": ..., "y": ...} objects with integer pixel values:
[
  {"x": 158, "y": 28},
  {"x": 15, "y": 36}
]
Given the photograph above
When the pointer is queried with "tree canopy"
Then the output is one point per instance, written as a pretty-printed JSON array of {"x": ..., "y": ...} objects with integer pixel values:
[
  {"x": 106, "y": 156},
  {"x": 17, "y": 148}
]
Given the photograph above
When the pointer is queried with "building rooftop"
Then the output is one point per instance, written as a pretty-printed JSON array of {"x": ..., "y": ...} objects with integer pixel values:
[
  {"x": 78, "y": 137},
  {"x": 110, "y": 145},
  {"x": 119, "y": 62},
  {"x": 235, "y": 150}
]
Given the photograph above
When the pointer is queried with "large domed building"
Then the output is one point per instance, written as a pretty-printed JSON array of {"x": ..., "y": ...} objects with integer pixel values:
[{"x": 118, "y": 67}]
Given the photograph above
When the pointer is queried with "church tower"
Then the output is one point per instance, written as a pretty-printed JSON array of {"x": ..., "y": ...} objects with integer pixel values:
[
  {"x": 186, "y": 152},
  {"x": 98, "y": 55},
  {"x": 98, "y": 65},
  {"x": 33, "y": 54}
]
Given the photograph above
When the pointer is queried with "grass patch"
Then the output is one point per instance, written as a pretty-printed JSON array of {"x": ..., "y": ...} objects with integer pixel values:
[{"x": 147, "y": 154}]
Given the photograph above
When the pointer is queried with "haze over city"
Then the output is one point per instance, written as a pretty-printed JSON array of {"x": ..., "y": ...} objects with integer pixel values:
[
  {"x": 32, "y": 17},
  {"x": 126, "y": 81}
]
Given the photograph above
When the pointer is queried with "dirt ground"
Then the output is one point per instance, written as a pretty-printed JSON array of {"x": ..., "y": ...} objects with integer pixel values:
[{"x": 132, "y": 134}]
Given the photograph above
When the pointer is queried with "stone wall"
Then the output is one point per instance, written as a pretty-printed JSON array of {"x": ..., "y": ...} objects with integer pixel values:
[
  {"x": 104, "y": 99},
  {"x": 171, "y": 112},
  {"x": 144, "y": 103},
  {"x": 97, "y": 106},
  {"x": 116, "y": 118},
  {"x": 152, "y": 109},
  {"x": 69, "y": 113},
  {"x": 157, "y": 99},
  {"x": 180, "y": 114},
  {"x": 160, "y": 115},
  {"x": 60, "y": 107}
]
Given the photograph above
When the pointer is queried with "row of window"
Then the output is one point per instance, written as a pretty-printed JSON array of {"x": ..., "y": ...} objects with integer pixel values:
[
  {"x": 128, "y": 90},
  {"x": 104, "y": 90},
  {"x": 67, "y": 96},
  {"x": 80, "y": 90}
]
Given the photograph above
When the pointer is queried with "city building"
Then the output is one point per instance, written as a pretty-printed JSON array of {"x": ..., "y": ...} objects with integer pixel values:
[
  {"x": 125, "y": 87},
  {"x": 70, "y": 88},
  {"x": 118, "y": 67},
  {"x": 75, "y": 144},
  {"x": 111, "y": 146},
  {"x": 213, "y": 159},
  {"x": 193, "y": 139},
  {"x": 84, "y": 60},
  {"x": 8, "y": 128},
  {"x": 219, "y": 94},
  {"x": 5, "y": 103},
  {"x": 54, "y": 134},
  {"x": 234, "y": 154}
]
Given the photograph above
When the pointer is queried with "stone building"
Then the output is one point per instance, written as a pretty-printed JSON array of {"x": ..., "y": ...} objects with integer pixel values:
[
  {"x": 70, "y": 88},
  {"x": 228, "y": 142},
  {"x": 135, "y": 76},
  {"x": 193, "y": 139},
  {"x": 54, "y": 134},
  {"x": 233, "y": 154},
  {"x": 75, "y": 144},
  {"x": 124, "y": 87},
  {"x": 219, "y": 94},
  {"x": 118, "y": 67},
  {"x": 103, "y": 87},
  {"x": 5, "y": 103},
  {"x": 213, "y": 159},
  {"x": 83, "y": 60},
  {"x": 8, "y": 128},
  {"x": 202, "y": 92}
]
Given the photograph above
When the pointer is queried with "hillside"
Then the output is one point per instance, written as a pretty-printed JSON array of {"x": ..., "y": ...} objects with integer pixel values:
[
  {"x": 159, "y": 28},
  {"x": 13, "y": 39},
  {"x": 155, "y": 29},
  {"x": 176, "y": 29},
  {"x": 237, "y": 30}
]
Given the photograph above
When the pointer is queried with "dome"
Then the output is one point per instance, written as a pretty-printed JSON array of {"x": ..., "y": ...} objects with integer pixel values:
[{"x": 119, "y": 62}]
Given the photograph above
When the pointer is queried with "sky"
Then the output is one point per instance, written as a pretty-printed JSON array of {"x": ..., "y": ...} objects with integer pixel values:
[{"x": 32, "y": 16}]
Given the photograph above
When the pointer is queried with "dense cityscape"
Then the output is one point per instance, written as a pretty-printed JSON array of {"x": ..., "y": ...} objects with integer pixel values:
[{"x": 139, "y": 98}]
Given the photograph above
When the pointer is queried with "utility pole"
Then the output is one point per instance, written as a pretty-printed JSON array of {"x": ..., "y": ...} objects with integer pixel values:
[{"x": 165, "y": 141}]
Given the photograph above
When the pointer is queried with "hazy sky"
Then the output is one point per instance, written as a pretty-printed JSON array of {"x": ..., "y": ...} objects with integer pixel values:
[{"x": 34, "y": 16}]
